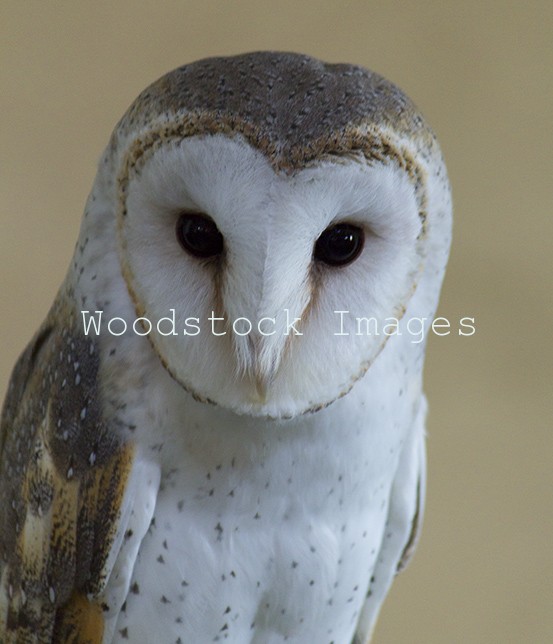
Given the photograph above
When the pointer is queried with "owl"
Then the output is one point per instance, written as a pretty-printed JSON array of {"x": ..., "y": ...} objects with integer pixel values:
[{"x": 217, "y": 434}]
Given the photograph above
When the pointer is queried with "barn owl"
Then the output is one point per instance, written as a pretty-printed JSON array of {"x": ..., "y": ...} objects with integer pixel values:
[{"x": 213, "y": 437}]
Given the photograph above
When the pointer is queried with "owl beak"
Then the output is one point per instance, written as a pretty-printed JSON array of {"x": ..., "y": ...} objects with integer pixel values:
[
  {"x": 261, "y": 387},
  {"x": 259, "y": 354},
  {"x": 262, "y": 373}
]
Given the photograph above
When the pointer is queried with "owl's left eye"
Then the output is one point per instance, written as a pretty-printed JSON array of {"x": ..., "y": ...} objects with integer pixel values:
[
  {"x": 198, "y": 234},
  {"x": 340, "y": 244}
]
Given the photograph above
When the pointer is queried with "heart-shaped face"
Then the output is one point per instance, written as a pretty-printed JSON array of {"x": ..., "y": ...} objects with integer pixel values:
[{"x": 273, "y": 289}]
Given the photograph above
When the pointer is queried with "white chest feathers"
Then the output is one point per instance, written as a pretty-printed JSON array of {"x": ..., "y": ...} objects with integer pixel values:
[{"x": 268, "y": 532}]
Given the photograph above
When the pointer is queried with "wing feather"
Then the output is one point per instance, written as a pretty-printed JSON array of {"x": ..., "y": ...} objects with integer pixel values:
[
  {"x": 403, "y": 524},
  {"x": 64, "y": 474}
]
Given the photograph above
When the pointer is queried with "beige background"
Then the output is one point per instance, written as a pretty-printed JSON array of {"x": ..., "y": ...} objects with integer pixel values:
[{"x": 482, "y": 73}]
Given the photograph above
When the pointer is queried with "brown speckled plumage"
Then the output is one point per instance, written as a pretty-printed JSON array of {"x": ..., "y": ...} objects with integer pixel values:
[
  {"x": 326, "y": 99},
  {"x": 62, "y": 478},
  {"x": 333, "y": 111}
]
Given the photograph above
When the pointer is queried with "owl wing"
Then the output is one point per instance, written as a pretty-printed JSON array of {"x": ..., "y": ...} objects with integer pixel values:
[
  {"x": 404, "y": 520},
  {"x": 69, "y": 489}
]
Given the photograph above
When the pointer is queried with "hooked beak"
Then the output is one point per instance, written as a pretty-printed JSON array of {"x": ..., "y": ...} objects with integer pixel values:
[{"x": 263, "y": 371}]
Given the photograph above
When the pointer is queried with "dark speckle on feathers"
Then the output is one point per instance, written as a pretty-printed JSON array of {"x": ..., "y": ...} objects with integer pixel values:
[{"x": 255, "y": 88}]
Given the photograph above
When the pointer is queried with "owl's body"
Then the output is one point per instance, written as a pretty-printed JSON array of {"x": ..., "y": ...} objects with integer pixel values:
[
  {"x": 266, "y": 530},
  {"x": 256, "y": 487}
]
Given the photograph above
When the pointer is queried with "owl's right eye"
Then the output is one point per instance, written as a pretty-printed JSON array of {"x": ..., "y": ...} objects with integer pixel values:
[{"x": 198, "y": 235}]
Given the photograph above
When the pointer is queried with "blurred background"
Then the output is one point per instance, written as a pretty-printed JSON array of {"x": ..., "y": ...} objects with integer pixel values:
[{"x": 482, "y": 73}]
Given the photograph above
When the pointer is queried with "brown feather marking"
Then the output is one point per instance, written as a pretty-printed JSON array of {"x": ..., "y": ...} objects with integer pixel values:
[
  {"x": 112, "y": 483},
  {"x": 80, "y": 621}
]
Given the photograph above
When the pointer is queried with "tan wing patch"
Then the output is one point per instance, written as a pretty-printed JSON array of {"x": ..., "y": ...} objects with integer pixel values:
[
  {"x": 63, "y": 474},
  {"x": 79, "y": 622}
]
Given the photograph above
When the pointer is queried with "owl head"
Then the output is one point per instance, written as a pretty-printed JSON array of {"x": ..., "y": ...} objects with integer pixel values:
[{"x": 258, "y": 205}]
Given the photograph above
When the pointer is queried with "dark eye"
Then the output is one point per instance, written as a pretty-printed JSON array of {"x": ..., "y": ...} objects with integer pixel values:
[
  {"x": 339, "y": 244},
  {"x": 199, "y": 235}
]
